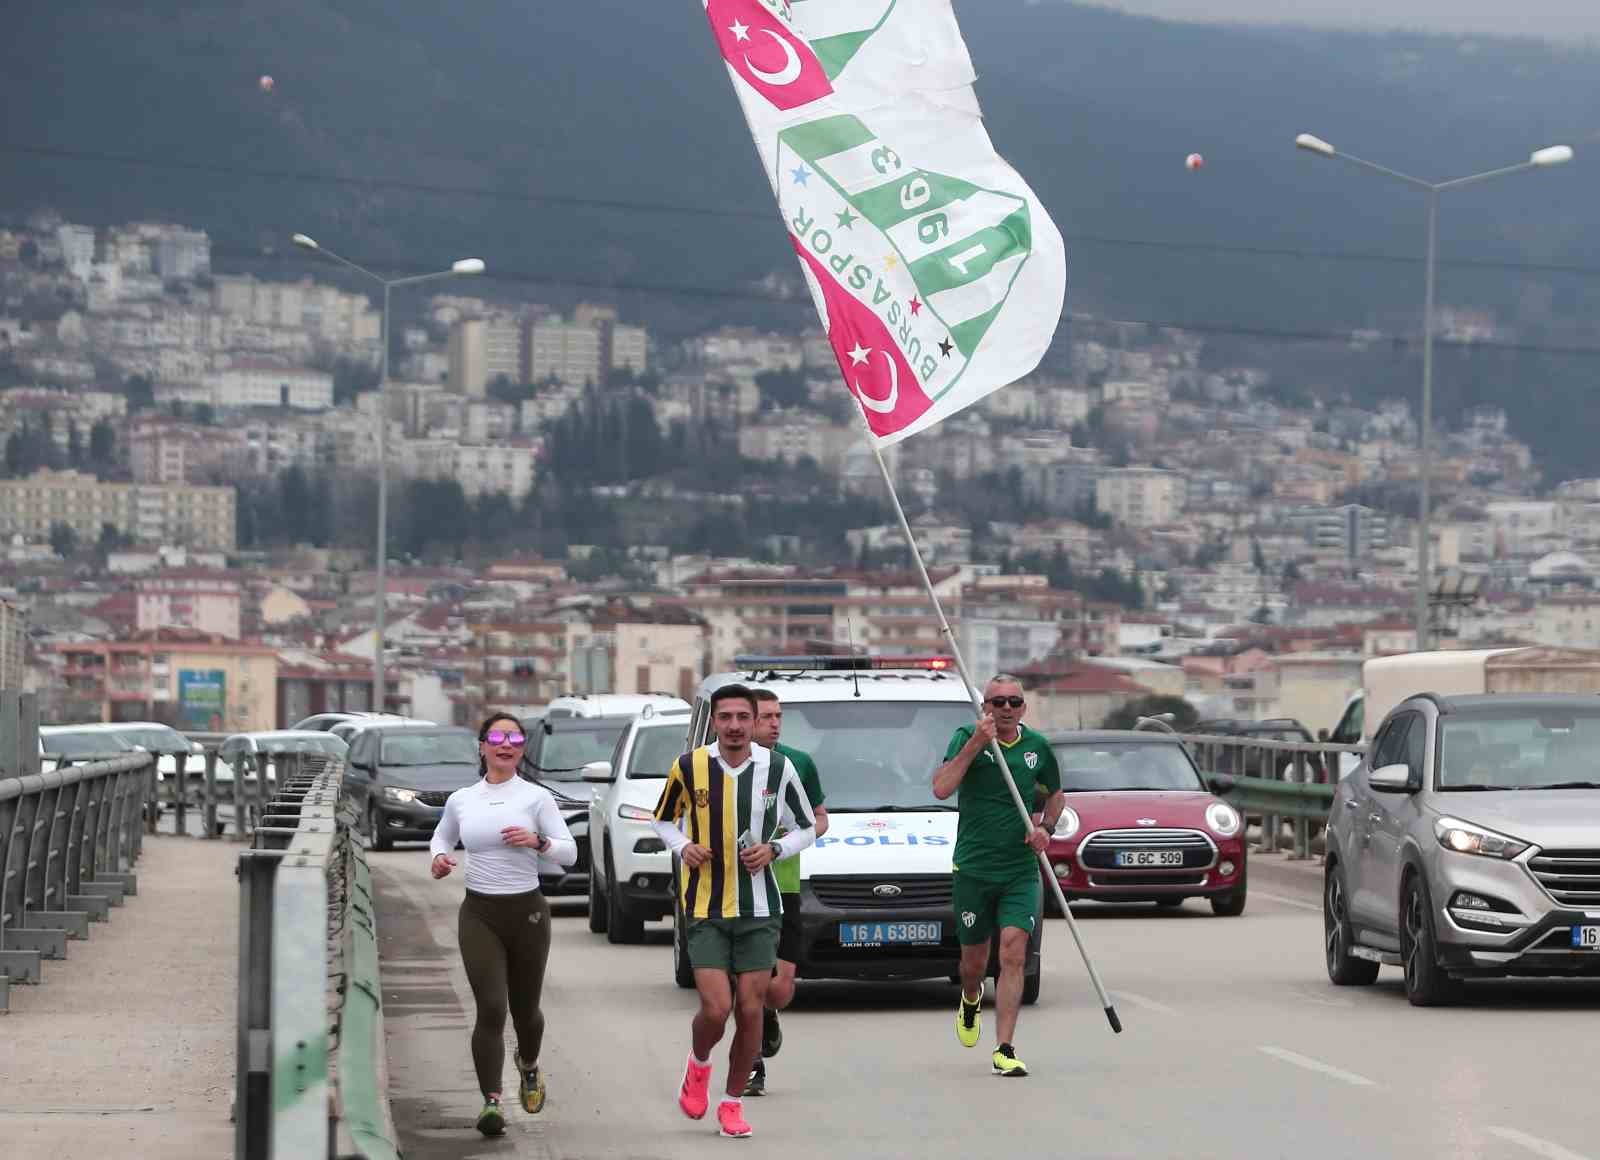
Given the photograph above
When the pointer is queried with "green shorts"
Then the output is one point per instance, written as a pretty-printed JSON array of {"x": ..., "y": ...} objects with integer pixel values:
[
  {"x": 734, "y": 944},
  {"x": 984, "y": 906}
]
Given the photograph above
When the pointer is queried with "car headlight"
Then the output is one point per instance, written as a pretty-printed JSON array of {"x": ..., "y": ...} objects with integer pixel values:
[
  {"x": 402, "y": 796},
  {"x": 1466, "y": 838},
  {"x": 635, "y": 814},
  {"x": 1223, "y": 818},
  {"x": 1067, "y": 824}
]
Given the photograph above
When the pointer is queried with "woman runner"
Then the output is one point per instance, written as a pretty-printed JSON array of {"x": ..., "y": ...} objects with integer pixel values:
[{"x": 507, "y": 825}]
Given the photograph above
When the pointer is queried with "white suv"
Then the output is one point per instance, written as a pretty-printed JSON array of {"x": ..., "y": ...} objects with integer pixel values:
[
  {"x": 611, "y": 704},
  {"x": 630, "y": 873}
]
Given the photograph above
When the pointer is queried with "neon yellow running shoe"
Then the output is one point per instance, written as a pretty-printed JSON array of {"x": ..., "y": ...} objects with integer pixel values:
[
  {"x": 969, "y": 1019},
  {"x": 1006, "y": 1063},
  {"x": 492, "y": 1121},
  {"x": 530, "y": 1087}
]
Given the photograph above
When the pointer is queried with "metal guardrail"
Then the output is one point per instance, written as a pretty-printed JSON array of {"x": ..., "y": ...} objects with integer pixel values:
[
  {"x": 68, "y": 841},
  {"x": 311, "y": 1079},
  {"x": 1292, "y": 780},
  {"x": 238, "y": 801}
]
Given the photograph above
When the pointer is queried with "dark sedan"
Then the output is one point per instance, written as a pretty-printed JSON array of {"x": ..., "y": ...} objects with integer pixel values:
[
  {"x": 558, "y": 749},
  {"x": 401, "y": 776}
]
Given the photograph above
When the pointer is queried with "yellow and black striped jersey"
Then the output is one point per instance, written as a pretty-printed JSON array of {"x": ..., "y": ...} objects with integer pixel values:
[{"x": 715, "y": 806}]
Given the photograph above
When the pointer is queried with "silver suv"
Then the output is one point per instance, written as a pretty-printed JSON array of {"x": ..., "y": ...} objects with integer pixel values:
[{"x": 1467, "y": 845}]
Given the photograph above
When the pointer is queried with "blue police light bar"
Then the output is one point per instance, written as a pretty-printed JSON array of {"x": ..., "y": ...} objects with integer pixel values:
[{"x": 841, "y": 663}]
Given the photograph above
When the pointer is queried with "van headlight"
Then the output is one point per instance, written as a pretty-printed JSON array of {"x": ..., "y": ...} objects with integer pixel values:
[
  {"x": 636, "y": 814},
  {"x": 1067, "y": 824},
  {"x": 403, "y": 796},
  {"x": 1466, "y": 838},
  {"x": 1223, "y": 818}
]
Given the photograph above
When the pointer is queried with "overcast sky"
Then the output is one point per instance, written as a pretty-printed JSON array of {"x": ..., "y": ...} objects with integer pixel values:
[{"x": 1555, "y": 19}]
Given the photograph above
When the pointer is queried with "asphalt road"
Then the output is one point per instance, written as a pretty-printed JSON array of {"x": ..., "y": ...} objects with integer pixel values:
[{"x": 1235, "y": 1046}]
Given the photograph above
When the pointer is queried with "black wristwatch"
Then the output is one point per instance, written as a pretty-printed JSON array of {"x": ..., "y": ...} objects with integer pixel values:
[{"x": 777, "y": 851}]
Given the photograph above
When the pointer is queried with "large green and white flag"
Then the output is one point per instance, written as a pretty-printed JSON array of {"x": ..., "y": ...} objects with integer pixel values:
[{"x": 938, "y": 275}]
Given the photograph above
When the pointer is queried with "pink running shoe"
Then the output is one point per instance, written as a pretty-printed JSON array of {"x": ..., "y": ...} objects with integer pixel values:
[
  {"x": 694, "y": 1096},
  {"x": 731, "y": 1121}
]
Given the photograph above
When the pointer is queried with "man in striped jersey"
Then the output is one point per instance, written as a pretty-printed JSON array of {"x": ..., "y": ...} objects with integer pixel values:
[{"x": 718, "y": 812}]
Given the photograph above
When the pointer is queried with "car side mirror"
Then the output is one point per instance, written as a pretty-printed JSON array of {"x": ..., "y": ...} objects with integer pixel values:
[
  {"x": 599, "y": 771},
  {"x": 1220, "y": 783},
  {"x": 1395, "y": 778}
]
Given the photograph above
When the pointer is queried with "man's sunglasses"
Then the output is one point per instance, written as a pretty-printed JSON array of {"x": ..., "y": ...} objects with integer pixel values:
[
  {"x": 1002, "y": 702},
  {"x": 502, "y": 737}
]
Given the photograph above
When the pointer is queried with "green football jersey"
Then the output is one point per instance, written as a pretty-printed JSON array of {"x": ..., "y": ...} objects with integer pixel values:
[
  {"x": 787, "y": 870},
  {"x": 990, "y": 836}
]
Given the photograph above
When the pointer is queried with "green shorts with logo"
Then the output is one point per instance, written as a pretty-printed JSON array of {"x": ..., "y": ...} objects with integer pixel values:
[
  {"x": 734, "y": 944},
  {"x": 985, "y": 906}
]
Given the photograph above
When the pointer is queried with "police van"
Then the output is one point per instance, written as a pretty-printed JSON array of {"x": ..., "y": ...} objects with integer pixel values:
[{"x": 875, "y": 891}]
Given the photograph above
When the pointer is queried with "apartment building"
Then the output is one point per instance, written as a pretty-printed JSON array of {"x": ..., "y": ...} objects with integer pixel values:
[
  {"x": 188, "y": 679},
  {"x": 1140, "y": 497},
  {"x": 179, "y": 514},
  {"x": 204, "y": 601}
]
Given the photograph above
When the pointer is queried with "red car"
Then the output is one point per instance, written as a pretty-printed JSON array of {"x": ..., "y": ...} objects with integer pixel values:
[{"x": 1141, "y": 825}]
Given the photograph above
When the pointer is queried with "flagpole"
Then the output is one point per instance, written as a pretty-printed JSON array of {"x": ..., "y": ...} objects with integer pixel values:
[{"x": 977, "y": 705}]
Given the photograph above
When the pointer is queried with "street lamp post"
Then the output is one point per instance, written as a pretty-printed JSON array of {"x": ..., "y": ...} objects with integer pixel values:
[
  {"x": 1539, "y": 159},
  {"x": 381, "y": 594}
]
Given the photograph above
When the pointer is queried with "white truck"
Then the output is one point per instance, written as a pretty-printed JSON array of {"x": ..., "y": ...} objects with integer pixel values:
[{"x": 1386, "y": 681}]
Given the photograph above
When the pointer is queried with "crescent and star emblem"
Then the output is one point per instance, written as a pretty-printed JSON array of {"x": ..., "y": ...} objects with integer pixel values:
[
  {"x": 788, "y": 74},
  {"x": 887, "y": 404}
]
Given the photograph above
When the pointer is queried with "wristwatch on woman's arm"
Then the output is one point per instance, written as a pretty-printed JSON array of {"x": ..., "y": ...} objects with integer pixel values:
[{"x": 777, "y": 851}]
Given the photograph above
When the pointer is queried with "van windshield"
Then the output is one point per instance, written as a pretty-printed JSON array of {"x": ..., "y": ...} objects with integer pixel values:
[
  {"x": 875, "y": 755},
  {"x": 1523, "y": 750}
]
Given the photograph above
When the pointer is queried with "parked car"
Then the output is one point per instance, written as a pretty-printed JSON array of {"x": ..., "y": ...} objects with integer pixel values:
[
  {"x": 323, "y": 722},
  {"x": 1141, "y": 825},
  {"x": 1467, "y": 845},
  {"x": 77, "y": 742},
  {"x": 610, "y": 704},
  {"x": 630, "y": 874},
  {"x": 558, "y": 750},
  {"x": 1241, "y": 760},
  {"x": 245, "y": 747},
  {"x": 401, "y": 775}
]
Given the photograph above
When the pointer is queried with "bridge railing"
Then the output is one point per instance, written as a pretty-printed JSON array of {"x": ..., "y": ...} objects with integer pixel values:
[
  {"x": 69, "y": 839},
  {"x": 311, "y": 1075},
  {"x": 1275, "y": 781},
  {"x": 223, "y": 798}
]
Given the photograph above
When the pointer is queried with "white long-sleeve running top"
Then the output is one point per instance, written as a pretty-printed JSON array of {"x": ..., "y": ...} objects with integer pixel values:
[{"x": 474, "y": 816}]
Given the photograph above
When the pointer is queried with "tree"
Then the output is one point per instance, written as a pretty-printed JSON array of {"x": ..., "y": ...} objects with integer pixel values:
[
  {"x": 63, "y": 540},
  {"x": 350, "y": 378},
  {"x": 1184, "y": 714},
  {"x": 74, "y": 444},
  {"x": 785, "y": 388},
  {"x": 141, "y": 392},
  {"x": 102, "y": 445}
]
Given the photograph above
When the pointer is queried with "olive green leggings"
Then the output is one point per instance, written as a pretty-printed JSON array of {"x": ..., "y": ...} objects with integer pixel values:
[{"x": 505, "y": 941}]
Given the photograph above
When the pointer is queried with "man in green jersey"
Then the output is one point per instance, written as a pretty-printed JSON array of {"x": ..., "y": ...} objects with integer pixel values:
[
  {"x": 780, "y": 993},
  {"x": 996, "y": 866}
]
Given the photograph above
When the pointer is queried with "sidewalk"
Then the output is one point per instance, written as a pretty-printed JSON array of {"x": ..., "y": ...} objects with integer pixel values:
[{"x": 127, "y": 1047}]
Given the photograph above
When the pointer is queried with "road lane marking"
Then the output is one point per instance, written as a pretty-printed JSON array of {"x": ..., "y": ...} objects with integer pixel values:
[
  {"x": 1539, "y": 1147},
  {"x": 1316, "y": 1065},
  {"x": 1142, "y": 1001},
  {"x": 1279, "y": 898}
]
